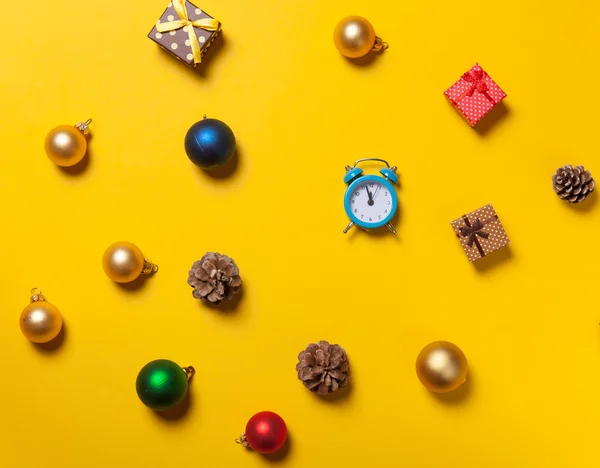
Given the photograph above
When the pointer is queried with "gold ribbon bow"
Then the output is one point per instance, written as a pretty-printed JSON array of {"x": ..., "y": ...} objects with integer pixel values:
[{"x": 208, "y": 24}]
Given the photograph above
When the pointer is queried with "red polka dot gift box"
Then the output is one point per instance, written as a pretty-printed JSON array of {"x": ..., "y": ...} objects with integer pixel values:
[
  {"x": 480, "y": 232},
  {"x": 475, "y": 94},
  {"x": 185, "y": 31}
]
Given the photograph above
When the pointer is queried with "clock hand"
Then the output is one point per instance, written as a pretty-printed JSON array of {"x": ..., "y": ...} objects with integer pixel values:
[
  {"x": 376, "y": 190},
  {"x": 370, "y": 202}
]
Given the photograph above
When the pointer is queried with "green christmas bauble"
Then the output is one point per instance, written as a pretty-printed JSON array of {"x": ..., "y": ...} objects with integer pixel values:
[{"x": 163, "y": 384}]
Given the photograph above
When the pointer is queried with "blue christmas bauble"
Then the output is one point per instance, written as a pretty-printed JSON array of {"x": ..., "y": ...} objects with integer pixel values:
[{"x": 209, "y": 143}]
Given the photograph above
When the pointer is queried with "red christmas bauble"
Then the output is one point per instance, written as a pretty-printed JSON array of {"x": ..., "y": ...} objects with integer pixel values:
[{"x": 266, "y": 432}]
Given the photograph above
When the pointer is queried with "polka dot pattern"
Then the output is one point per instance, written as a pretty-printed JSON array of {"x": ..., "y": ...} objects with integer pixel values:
[
  {"x": 485, "y": 94},
  {"x": 496, "y": 236},
  {"x": 177, "y": 42}
]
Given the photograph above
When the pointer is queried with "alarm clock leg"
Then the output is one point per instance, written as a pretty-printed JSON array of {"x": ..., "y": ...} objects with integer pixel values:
[
  {"x": 389, "y": 225},
  {"x": 348, "y": 227}
]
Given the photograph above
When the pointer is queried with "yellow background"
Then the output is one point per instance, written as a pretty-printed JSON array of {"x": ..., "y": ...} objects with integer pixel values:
[{"x": 527, "y": 317}]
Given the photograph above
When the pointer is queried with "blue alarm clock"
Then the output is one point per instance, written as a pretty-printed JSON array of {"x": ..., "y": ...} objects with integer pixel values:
[{"x": 370, "y": 200}]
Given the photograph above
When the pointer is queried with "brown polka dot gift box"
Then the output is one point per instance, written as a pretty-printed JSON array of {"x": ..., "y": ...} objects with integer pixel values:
[
  {"x": 480, "y": 232},
  {"x": 475, "y": 94},
  {"x": 185, "y": 31}
]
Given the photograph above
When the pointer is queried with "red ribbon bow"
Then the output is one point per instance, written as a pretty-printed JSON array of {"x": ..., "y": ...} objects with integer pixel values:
[{"x": 476, "y": 78}]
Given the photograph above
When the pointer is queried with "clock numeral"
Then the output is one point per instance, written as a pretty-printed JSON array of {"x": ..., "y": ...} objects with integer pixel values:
[
  {"x": 389, "y": 202},
  {"x": 379, "y": 216},
  {"x": 357, "y": 193},
  {"x": 353, "y": 202},
  {"x": 385, "y": 193},
  {"x": 355, "y": 210},
  {"x": 361, "y": 216},
  {"x": 385, "y": 211},
  {"x": 370, "y": 219},
  {"x": 371, "y": 185}
]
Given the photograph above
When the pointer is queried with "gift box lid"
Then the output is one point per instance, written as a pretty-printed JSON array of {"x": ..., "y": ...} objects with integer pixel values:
[
  {"x": 185, "y": 31},
  {"x": 480, "y": 232},
  {"x": 475, "y": 94}
]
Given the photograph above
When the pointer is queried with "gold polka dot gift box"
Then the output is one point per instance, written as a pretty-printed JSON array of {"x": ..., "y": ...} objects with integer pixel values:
[
  {"x": 480, "y": 232},
  {"x": 185, "y": 31},
  {"x": 475, "y": 94}
]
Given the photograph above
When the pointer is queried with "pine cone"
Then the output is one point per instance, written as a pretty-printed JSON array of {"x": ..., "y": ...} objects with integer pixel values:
[
  {"x": 214, "y": 278},
  {"x": 573, "y": 184},
  {"x": 323, "y": 368}
]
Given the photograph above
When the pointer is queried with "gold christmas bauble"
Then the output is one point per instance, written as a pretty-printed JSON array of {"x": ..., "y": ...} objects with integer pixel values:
[
  {"x": 354, "y": 37},
  {"x": 40, "y": 321},
  {"x": 442, "y": 367},
  {"x": 65, "y": 145},
  {"x": 124, "y": 262}
]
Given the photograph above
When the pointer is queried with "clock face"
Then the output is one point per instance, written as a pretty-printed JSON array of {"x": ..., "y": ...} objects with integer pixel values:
[{"x": 372, "y": 202}]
